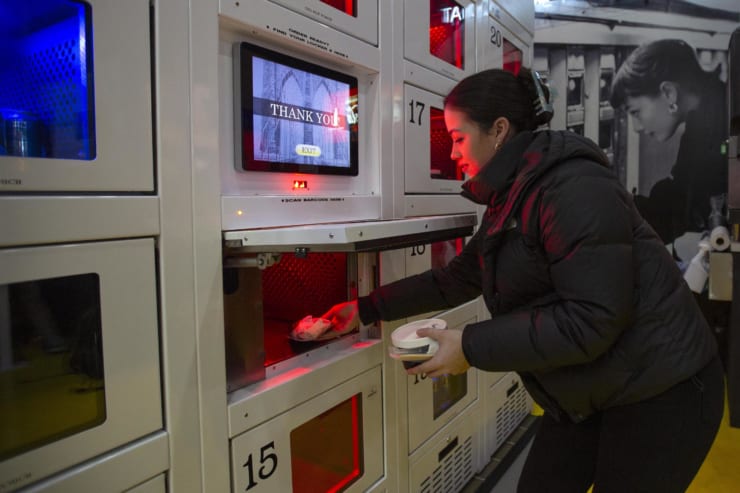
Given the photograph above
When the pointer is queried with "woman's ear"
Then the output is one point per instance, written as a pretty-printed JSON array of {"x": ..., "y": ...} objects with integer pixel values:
[
  {"x": 500, "y": 128},
  {"x": 669, "y": 90}
]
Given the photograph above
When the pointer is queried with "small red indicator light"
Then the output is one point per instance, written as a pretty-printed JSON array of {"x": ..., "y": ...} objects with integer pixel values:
[{"x": 300, "y": 184}]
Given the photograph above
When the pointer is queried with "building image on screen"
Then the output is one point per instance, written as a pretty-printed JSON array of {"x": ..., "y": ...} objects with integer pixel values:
[{"x": 299, "y": 117}]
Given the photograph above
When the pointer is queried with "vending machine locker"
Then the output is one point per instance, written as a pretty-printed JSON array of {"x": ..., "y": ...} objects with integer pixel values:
[
  {"x": 502, "y": 42},
  {"x": 440, "y": 35},
  {"x": 75, "y": 108},
  {"x": 353, "y": 17},
  {"x": 332, "y": 442}
]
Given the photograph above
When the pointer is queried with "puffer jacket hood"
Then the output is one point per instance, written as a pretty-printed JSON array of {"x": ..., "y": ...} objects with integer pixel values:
[{"x": 527, "y": 156}]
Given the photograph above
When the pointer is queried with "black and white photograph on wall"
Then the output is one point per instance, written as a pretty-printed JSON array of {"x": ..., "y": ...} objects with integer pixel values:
[
  {"x": 676, "y": 100},
  {"x": 657, "y": 107},
  {"x": 656, "y": 101}
]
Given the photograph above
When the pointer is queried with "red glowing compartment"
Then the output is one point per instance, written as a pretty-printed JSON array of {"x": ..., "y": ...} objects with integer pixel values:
[
  {"x": 327, "y": 451},
  {"x": 349, "y": 7},
  {"x": 447, "y": 31}
]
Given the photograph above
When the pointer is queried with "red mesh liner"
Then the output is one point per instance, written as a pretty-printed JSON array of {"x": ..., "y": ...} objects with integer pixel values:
[
  {"x": 296, "y": 287},
  {"x": 442, "y": 167},
  {"x": 447, "y": 31}
]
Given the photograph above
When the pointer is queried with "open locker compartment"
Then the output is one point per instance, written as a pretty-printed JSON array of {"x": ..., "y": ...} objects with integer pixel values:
[{"x": 274, "y": 277}]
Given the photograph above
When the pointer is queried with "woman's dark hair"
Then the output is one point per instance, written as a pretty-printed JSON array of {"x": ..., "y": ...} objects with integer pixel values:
[
  {"x": 655, "y": 62},
  {"x": 493, "y": 93}
]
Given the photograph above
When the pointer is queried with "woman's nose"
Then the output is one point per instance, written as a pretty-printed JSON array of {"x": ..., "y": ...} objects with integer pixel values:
[{"x": 637, "y": 124}]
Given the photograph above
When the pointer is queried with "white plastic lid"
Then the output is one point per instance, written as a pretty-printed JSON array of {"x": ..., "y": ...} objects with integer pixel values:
[{"x": 405, "y": 336}]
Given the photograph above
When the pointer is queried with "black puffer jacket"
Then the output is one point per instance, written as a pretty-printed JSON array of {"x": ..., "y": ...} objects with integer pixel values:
[{"x": 587, "y": 304}]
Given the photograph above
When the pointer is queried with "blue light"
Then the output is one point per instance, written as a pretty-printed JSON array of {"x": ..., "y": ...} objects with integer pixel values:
[{"x": 47, "y": 74}]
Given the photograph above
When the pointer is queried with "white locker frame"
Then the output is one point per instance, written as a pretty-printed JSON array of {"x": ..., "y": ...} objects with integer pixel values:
[
  {"x": 415, "y": 36},
  {"x": 253, "y": 405},
  {"x": 187, "y": 208},
  {"x": 494, "y": 25},
  {"x": 122, "y": 97},
  {"x": 421, "y": 81},
  {"x": 417, "y": 152},
  {"x": 187, "y": 215},
  {"x": 418, "y": 392},
  {"x": 132, "y": 466},
  {"x": 410, "y": 73},
  {"x": 364, "y": 26},
  {"x": 521, "y": 12},
  {"x": 157, "y": 484},
  {"x": 269, "y": 443},
  {"x": 130, "y": 352}
]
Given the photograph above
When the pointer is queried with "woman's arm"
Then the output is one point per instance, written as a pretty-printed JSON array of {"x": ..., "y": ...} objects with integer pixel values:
[{"x": 435, "y": 289}]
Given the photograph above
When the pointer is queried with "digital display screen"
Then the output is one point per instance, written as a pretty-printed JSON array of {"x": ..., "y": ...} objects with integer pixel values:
[{"x": 295, "y": 116}]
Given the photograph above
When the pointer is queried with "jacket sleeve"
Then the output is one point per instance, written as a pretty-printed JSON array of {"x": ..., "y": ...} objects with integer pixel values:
[
  {"x": 435, "y": 289},
  {"x": 585, "y": 230}
]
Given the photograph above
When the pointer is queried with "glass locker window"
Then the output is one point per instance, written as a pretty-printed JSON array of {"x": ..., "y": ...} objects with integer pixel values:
[
  {"x": 513, "y": 57},
  {"x": 51, "y": 361},
  {"x": 440, "y": 144},
  {"x": 447, "y": 31},
  {"x": 447, "y": 391},
  {"x": 46, "y": 79},
  {"x": 349, "y": 7},
  {"x": 327, "y": 451}
]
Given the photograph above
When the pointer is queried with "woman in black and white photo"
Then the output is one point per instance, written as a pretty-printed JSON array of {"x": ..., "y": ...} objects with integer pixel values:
[{"x": 662, "y": 85}]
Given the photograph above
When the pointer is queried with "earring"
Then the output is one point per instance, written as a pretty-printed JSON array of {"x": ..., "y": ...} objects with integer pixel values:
[
  {"x": 498, "y": 144},
  {"x": 672, "y": 108}
]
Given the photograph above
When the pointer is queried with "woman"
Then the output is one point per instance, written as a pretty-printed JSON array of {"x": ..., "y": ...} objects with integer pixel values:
[
  {"x": 586, "y": 303},
  {"x": 662, "y": 85}
]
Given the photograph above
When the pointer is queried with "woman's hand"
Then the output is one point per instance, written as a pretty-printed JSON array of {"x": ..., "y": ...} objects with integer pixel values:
[
  {"x": 344, "y": 317},
  {"x": 449, "y": 359}
]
